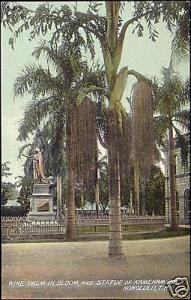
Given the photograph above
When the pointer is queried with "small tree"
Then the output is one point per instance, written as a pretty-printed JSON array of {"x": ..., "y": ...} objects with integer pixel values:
[
  {"x": 8, "y": 189},
  {"x": 25, "y": 184},
  {"x": 155, "y": 192}
]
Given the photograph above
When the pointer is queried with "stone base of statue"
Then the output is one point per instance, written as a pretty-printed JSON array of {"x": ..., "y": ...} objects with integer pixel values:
[{"x": 41, "y": 203}]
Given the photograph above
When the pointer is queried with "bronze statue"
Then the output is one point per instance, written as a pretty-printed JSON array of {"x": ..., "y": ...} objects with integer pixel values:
[{"x": 38, "y": 169}]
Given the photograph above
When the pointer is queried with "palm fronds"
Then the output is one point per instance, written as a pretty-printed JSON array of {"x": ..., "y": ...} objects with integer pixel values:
[
  {"x": 183, "y": 118},
  {"x": 54, "y": 105},
  {"x": 34, "y": 113},
  {"x": 24, "y": 148},
  {"x": 172, "y": 94},
  {"x": 180, "y": 42},
  {"x": 160, "y": 125},
  {"x": 182, "y": 143},
  {"x": 36, "y": 80}
]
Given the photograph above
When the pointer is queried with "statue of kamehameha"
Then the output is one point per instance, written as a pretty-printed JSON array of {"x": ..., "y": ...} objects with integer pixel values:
[{"x": 38, "y": 169}]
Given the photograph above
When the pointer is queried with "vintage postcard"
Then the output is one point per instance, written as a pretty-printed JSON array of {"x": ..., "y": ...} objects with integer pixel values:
[{"x": 95, "y": 186}]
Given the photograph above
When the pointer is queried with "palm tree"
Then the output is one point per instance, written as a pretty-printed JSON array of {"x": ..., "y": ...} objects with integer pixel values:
[
  {"x": 171, "y": 97},
  {"x": 111, "y": 41},
  {"x": 54, "y": 102},
  {"x": 160, "y": 126}
]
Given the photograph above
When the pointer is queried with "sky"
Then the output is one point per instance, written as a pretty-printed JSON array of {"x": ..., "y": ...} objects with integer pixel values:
[{"x": 140, "y": 54}]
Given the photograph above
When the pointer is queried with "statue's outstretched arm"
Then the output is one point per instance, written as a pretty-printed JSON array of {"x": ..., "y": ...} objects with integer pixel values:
[{"x": 29, "y": 156}]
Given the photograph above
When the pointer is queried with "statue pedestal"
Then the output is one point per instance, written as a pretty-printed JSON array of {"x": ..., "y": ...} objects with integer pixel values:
[{"x": 41, "y": 203}]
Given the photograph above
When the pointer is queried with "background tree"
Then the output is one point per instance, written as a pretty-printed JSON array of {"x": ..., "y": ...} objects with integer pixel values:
[
  {"x": 8, "y": 189},
  {"x": 171, "y": 97},
  {"x": 5, "y": 169},
  {"x": 155, "y": 192},
  {"x": 25, "y": 184},
  {"x": 55, "y": 103},
  {"x": 8, "y": 192}
]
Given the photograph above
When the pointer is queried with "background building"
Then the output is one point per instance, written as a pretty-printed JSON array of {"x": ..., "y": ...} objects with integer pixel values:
[{"x": 182, "y": 186}]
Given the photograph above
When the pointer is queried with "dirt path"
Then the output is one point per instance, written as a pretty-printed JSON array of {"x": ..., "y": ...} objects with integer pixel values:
[{"x": 59, "y": 269}]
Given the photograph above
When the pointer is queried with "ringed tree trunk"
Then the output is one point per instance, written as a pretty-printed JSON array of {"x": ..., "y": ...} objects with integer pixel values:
[
  {"x": 59, "y": 196},
  {"x": 97, "y": 183},
  {"x": 143, "y": 200},
  {"x": 82, "y": 202},
  {"x": 112, "y": 46},
  {"x": 71, "y": 230},
  {"x": 115, "y": 126},
  {"x": 97, "y": 198},
  {"x": 115, "y": 230},
  {"x": 172, "y": 162},
  {"x": 136, "y": 187}
]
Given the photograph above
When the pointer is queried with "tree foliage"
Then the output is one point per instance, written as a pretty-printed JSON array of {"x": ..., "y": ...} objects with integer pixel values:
[
  {"x": 54, "y": 97},
  {"x": 8, "y": 189},
  {"x": 64, "y": 22},
  {"x": 5, "y": 169},
  {"x": 25, "y": 184},
  {"x": 172, "y": 98},
  {"x": 155, "y": 192},
  {"x": 8, "y": 192}
]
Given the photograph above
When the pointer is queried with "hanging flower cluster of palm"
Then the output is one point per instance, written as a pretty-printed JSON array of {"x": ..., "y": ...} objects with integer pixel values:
[
  {"x": 122, "y": 134},
  {"x": 84, "y": 143},
  {"x": 124, "y": 148},
  {"x": 142, "y": 127}
]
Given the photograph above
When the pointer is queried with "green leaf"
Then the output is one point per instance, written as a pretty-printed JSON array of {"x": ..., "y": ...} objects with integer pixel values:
[{"x": 11, "y": 42}]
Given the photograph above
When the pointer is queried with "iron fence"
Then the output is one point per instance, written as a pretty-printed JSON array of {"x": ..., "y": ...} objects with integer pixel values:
[
  {"x": 129, "y": 220},
  {"x": 20, "y": 228}
]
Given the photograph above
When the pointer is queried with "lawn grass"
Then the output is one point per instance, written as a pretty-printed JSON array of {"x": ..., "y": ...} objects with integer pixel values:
[
  {"x": 165, "y": 233},
  {"x": 104, "y": 228},
  {"x": 138, "y": 232}
]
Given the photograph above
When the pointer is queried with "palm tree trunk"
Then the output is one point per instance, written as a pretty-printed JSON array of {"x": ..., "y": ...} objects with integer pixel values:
[
  {"x": 63, "y": 207},
  {"x": 71, "y": 231},
  {"x": 82, "y": 202},
  {"x": 59, "y": 196},
  {"x": 97, "y": 198},
  {"x": 97, "y": 184},
  {"x": 143, "y": 200},
  {"x": 115, "y": 240},
  {"x": 172, "y": 162},
  {"x": 136, "y": 187}
]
